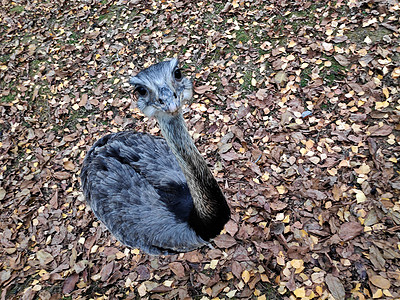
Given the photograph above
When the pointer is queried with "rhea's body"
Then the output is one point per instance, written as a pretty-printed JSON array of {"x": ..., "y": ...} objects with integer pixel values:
[{"x": 153, "y": 193}]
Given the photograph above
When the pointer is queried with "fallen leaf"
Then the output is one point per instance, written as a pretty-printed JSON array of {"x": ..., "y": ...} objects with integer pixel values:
[
  {"x": 177, "y": 268},
  {"x": 44, "y": 257},
  {"x": 335, "y": 287},
  {"x": 224, "y": 241},
  {"x": 203, "y": 89},
  {"x": 380, "y": 282},
  {"x": 69, "y": 283},
  {"x": 246, "y": 276},
  {"x": 350, "y": 230},
  {"x": 377, "y": 130}
]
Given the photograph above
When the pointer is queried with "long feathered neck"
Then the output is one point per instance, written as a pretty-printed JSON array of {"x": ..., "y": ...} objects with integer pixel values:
[{"x": 210, "y": 211}]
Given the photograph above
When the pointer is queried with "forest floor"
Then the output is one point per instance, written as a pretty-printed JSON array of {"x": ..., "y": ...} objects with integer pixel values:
[{"x": 296, "y": 109}]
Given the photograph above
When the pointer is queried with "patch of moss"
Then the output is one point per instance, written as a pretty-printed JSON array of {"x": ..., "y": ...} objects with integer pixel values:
[
  {"x": 17, "y": 9},
  {"x": 73, "y": 38},
  {"x": 12, "y": 94},
  {"x": 7, "y": 99},
  {"x": 242, "y": 36},
  {"x": 358, "y": 35},
  {"x": 305, "y": 77},
  {"x": 5, "y": 58},
  {"x": 246, "y": 85},
  {"x": 334, "y": 73},
  {"x": 76, "y": 117}
]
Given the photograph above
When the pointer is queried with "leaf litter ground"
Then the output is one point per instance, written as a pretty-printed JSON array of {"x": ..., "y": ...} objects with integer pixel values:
[{"x": 296, "y": 109}]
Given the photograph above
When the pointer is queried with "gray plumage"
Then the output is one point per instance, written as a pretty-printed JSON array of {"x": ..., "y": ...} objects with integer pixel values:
[{"x": 151, "y": 193}]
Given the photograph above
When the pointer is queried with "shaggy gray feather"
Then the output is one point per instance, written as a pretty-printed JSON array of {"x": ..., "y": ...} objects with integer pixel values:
[{"x": 122, "y": 180}]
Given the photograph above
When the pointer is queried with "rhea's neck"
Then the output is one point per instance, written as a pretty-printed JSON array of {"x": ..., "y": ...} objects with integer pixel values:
[
  {"x": 210, "y": 207},
  {"x": 193, "y": 165}
]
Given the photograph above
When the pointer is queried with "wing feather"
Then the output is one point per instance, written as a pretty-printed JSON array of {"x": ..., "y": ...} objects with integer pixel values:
[{"x": 135, "y": 186}]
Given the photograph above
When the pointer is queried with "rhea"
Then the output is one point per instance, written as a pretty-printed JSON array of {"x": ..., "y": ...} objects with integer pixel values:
[{"x": 152, "y": 193}]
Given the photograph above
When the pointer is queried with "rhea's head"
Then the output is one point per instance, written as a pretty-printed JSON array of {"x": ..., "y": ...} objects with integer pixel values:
[{"x": 162, "y": 89}]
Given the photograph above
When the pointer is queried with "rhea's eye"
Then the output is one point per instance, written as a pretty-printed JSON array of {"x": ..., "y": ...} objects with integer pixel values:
[
  {"x": 178, "y": 74},
  {"x": 141, "y": 91}
]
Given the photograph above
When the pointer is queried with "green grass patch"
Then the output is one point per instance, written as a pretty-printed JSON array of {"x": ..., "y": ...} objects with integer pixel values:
[
  {"x": 305, "y": 77},
  {"x": 75, "y": 117},
  {"x": 4, "y": 58},
  {"x": 7, "y": 99},
  {"x": 334, "y": 73},
  {"x": 106, "y": 16},
  {"x": 17, "y": 9},
  {"x": 74, "y": 38},
  {"x": 12, "y": 94},
  {"x": 243, "y": 36},
  {"x": 246, "y": 85}
]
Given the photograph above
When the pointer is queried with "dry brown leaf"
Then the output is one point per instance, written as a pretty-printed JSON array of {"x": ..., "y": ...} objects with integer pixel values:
[
  {"x": 380, "y": 282},
  {"x": 203, "y": 89},
  {"x": 177, "y": 268},
  {"x": 44, "y": 257},
  {"x": 350, "y": 230},
  {"x": 335, "y": 287},
  {"x": 224, "y": 241}
]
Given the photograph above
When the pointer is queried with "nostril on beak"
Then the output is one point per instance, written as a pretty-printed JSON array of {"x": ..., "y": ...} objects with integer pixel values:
[
  {"x": 160, "y": 100},
  {"x": 175, "y": 95}
]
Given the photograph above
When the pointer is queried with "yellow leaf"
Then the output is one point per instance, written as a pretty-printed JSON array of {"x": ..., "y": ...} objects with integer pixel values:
[
  {"x": 280, "y": 77},
  {"x": 367, "y": 40},
  {"x": 235, "y": 4},
  {"x": 265, "y": 177},
  {"x": 309, "y": 144},
  {"x": 358, "y": 295},
  {"x": 319, "y": 290},
  {"x": 332, "y": 172},
  {"x": 280, "y": 260},
  {"x": 168, "y": 283},
  {"x": 380, "y": 282},
  {"x": 344, "y": 163},
  {"x": 69, "y": 165},
  {"x": 377, "y": 294},
  {"x": 329, "y": 31},
  {"x": 264, "y": 278},
  {"x": 385, "y": 91},
  {"x": 281, "y": 189},
  {"x": 396, "y": 73},
  {"x": 304, "y": 65},
  {"x": 360, "y": 197},
  {"x": 213, "y": 263},
  {"x": 387, "y": 293},
  {"x": 292, "y": 44},
  {"x": 290, "y": 57},
  {"x": 363, "y": 169},
  {"x": 75, "y": 106},
  {"x": 380, "y": 105},
  {"x": 246, "y": 276},
  {"x": 300, "y": 292},
  {"x": 296, "y": 263}
]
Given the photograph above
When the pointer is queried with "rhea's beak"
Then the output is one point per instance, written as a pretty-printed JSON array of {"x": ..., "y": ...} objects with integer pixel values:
[{"x": 169, "y": 99}]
